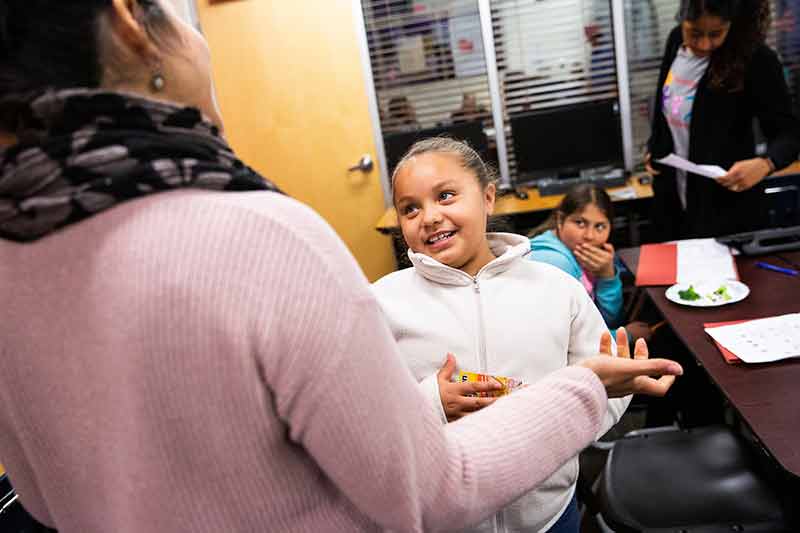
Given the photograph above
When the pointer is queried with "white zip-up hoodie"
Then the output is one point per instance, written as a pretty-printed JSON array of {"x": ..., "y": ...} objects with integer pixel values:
[{"x": 515, "y": 318}]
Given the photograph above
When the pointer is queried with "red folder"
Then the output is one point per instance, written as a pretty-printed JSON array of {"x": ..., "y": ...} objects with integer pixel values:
[
  {"x": 658, "y": 265},
  {"x": 728, "y": 355}
]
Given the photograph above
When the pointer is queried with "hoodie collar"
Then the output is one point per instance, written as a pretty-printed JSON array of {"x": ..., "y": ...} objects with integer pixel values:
[{"x": 507, "y": 247}]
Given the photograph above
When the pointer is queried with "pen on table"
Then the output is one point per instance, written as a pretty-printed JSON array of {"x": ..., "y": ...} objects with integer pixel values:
[{"x": 768, "y": 266}]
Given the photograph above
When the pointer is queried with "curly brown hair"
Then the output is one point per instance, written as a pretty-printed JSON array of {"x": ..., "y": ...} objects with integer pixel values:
[{"x": 750, "y": 20}]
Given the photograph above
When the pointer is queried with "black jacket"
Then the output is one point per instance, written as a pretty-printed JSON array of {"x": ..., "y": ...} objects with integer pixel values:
[{"x": 721, "y": 133}]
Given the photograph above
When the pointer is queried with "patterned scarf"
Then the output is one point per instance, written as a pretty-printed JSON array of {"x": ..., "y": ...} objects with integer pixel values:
[{"x": 94, "y": 149}]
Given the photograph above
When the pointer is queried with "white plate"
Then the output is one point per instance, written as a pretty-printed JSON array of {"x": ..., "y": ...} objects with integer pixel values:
[{"x": 737, "y": 291}]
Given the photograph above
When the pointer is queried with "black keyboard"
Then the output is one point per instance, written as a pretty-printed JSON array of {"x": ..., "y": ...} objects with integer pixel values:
[
  {"x": 553, "y": 186},
  {"x": 764, "y": 241}
]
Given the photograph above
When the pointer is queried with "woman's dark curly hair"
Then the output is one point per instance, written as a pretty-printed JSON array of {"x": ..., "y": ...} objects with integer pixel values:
[
  {"x": 51, "y": 45},
  {"x": 750, "y": 20}
]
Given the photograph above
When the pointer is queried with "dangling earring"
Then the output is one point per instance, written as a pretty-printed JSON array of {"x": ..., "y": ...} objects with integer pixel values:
[{"x": 157, "y": 82}]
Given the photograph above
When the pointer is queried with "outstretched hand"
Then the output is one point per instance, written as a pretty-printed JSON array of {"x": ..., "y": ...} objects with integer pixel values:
[
  {"x": 460, "y": 399},
  {"x": 623, "y": 375}
]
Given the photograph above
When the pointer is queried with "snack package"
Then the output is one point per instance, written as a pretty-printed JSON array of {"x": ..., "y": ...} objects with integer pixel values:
[{"x": 509, "y": 384}]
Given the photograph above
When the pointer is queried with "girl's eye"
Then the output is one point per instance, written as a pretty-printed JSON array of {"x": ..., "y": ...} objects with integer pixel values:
[
  {"x": 446, "y": 195},
  {"x": 408, "y": 210},
  {"x": 580, "y": 222},
  {"x": 600, "y": 227}
]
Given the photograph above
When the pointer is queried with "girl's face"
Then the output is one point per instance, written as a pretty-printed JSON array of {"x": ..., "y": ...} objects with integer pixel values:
[
  {"x": 442, "y": 210},
  {"x": 590, "y": 226},
  {"x": 704, "y": 35}
]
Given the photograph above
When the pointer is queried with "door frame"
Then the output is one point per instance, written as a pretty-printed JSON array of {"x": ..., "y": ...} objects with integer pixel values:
[{"x": 372, "y": 102}]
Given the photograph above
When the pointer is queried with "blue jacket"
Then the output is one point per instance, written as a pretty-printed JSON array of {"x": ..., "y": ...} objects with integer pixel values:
[{"x": 548, "y": 248}]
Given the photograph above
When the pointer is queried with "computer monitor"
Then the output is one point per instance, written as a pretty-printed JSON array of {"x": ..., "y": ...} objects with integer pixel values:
[
  {"x": 562, "y": 141},
  {"x": 397, "y": 144}
]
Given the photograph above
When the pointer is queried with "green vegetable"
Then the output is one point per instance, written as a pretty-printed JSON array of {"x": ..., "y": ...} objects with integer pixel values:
[
  {"x": 689, "y": 294},
  {"x": 721, "y": 292}
]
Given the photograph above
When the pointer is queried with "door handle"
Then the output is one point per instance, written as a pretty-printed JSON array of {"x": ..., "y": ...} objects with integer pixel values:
[{"x": 364, "y": 164}]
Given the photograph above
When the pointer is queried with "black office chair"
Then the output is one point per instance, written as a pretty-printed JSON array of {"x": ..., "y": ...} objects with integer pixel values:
[
  {"x": 13, "y": 517},
  {"x": 782, "y": 201},
  {"x": 688, "y": 481}
]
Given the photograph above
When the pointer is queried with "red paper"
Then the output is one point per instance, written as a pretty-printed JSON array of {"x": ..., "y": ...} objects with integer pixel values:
[
  {"x": 658, "y": 265},
  {"x": 728, "y": 355}
]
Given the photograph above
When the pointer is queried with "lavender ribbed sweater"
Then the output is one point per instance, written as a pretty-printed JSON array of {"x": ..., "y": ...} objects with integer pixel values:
[{"x": 207, "y": 362}]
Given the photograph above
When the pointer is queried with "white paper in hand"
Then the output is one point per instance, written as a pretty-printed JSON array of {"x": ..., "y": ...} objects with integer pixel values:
[{"x": 709, "y": 171}]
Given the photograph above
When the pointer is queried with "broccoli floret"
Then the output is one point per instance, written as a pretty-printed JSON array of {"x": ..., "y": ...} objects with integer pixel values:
[{"x": 689, "y": 294}]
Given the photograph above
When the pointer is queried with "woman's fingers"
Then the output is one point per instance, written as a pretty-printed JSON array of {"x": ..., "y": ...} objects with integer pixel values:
[
  {"x": 623, "y": 350},
  {"x": 651, "y": 386},
  {"x": 623, "y": 376},
  {"x": 640, "y": 350},
  {"x": 605, "y": 343}
]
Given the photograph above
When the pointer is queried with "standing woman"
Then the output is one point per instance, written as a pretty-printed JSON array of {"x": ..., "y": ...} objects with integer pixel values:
[
  {"x": 182, "y": 348},
  {"x": 717, "y": 75}
]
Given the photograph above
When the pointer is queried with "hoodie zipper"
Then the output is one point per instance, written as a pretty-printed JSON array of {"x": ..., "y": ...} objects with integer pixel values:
[
  {"x": 498, "y": 519},
  {"x": 484, "y": 364}
]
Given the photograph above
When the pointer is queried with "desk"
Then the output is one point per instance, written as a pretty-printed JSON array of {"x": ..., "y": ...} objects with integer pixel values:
[
  {"x": 511, "y": 205},
  {"x": 766, "y": 396}
]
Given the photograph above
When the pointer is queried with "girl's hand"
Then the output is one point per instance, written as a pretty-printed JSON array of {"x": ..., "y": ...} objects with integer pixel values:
[
  {"x": 745, "y": 174},
  {"x": 597, "y": 260},
  {"x": 460, "y": 399},
  {"x": 622, "y": 375},
  {"x": 648, "y": 166}
]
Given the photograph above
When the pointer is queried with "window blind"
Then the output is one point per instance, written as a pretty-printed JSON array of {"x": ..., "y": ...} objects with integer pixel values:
[
  {"x": 428, "y": 61},
  {"x": 428, "y": 66},
  {"x": 551, "y": 54}
]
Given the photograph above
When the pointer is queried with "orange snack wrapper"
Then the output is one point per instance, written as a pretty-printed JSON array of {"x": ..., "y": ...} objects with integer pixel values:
[{"x": 509, "y": 384}]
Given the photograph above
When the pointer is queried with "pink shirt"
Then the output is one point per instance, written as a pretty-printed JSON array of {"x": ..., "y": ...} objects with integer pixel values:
[
  {"x": 587, "y": 280},
  {"x": 207, "y": 362}
]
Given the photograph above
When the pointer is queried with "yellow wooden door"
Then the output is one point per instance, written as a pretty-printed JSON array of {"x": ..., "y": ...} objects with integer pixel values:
[{"x": 293, "y": 96}]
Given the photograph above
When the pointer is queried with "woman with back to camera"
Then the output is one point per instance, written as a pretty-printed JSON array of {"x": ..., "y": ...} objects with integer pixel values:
[
  {"x": 717, "y": 76},
  {"x": 180, "y": 354}
]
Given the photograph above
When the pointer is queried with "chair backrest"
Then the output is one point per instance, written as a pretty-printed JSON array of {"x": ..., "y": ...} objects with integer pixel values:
[
  {"x": 782, "y": 201},
  {"x": 704, "y": 479},
  {"x": 13, "y": 517}
]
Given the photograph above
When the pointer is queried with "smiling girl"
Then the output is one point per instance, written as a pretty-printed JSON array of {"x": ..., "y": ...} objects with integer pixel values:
[{"x": 475, "y": 295}]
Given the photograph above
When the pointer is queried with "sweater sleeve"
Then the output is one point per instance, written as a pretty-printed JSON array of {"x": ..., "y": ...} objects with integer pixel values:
[
  {"x": 348, "y": 401},
  {"x": 587, "y": 327},
  {"x": 772, "y": 105},
  {"x": 430, "y": 389},
  {"x": 406, "y": 470},
  {"x": 608, "y": 296}
]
